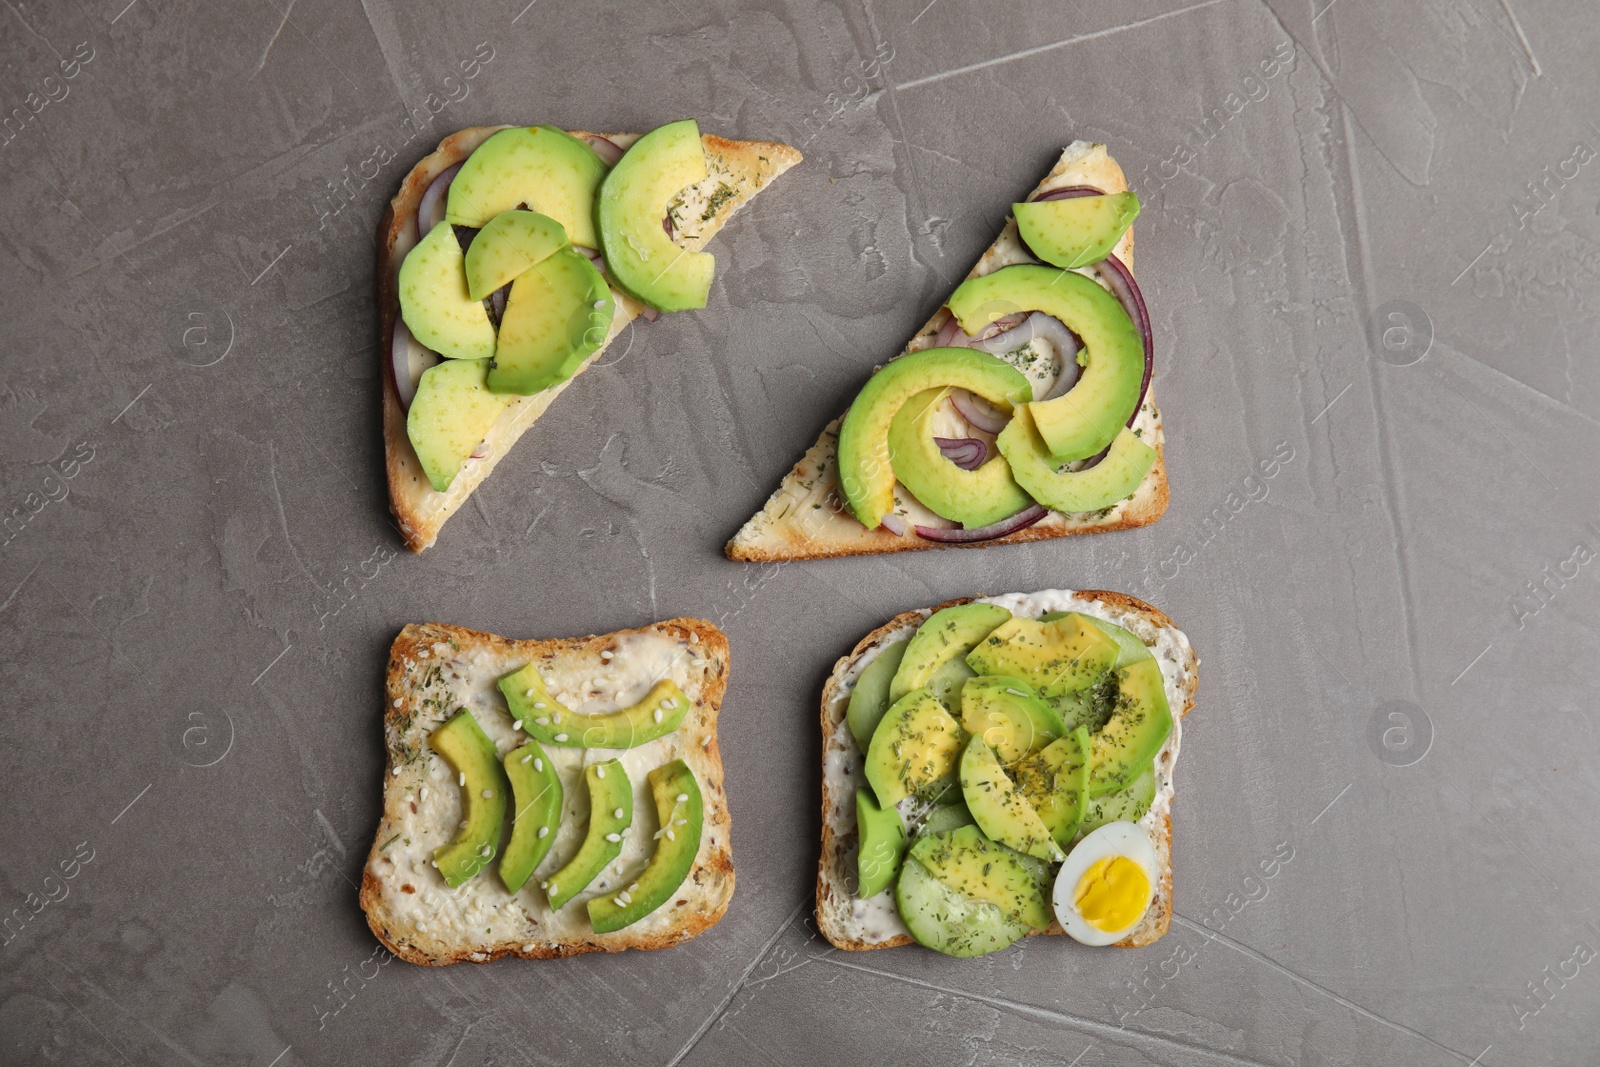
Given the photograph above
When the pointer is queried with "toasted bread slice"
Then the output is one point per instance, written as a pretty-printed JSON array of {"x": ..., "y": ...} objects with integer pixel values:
[
  {"x": 854, "y": 924},
  {"x": 744, "y": 167},
  {"x": 434, "y": 670},
  {"x": 806, "y": 518}
]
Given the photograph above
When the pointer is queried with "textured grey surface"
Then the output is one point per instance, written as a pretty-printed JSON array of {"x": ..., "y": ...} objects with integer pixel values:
[{"x": 198, "y": 581}]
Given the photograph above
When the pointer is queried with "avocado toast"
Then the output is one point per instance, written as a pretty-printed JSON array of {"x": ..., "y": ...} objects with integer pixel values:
[
  {"x": 974, "y": 751},
  {"x": 550, "y": 798},
  {"x": 568, "y": 291},
  {"x": 1021, "y": 411}
]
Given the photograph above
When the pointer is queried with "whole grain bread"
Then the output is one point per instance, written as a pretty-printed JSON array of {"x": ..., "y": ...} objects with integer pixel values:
[
  {"x": 435, "y": 669},
  {"x": 806, "y": 517},
  {"x": 835, "y": 874},
  {"x": 744, "y": 167}
]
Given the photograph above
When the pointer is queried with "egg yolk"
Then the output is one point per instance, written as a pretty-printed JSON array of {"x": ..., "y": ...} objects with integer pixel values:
[{"x": 1112, "y": 894}]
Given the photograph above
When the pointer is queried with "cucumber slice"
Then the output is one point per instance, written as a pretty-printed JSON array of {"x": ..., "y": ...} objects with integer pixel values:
[
  {"x": 1125, "y": 805},
  {"x": 948, "y": 922},
  {"x": 950, "y": 817},
  {"x": 870, "y": 698}
]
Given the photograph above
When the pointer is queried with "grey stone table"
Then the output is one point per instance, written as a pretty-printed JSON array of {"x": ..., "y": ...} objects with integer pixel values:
[{"x": 1370, "y": 243}]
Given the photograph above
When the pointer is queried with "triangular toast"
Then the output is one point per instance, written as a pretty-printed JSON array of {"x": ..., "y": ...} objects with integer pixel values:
[
  {"x": 742, "y": 167},
  {"x": 806, "y": 518}
]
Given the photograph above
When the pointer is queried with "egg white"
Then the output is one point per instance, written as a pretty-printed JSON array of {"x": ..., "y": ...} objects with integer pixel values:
[{"x": 1113, "y": 839}]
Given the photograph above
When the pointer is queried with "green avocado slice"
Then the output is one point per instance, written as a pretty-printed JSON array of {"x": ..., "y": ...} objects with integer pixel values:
[
  {"x": 1112, "y": 480},
  {"x": 1077, "y": 231},
  {"x": 1009, "y": 716},
  {"x": 557, "y": 315},
  {"x": 870, "y": 697},
  {"x": 450, "y": 416},
  {"x": 632, "y": 203},
  {"x": 511, "y": 243},
  {"x": 948, "y": 634},
  {"x": 914, "y": 748},
  {"x": 468, "y": 750},
  {"x": 1087, "y": 417},
  {"x": 866, "y": 473},
  {"x": 976, "y": 867},
  {"x": 974, "y": 498},
  {"x": 552, "y": 722},
  {"x": 999, "y": 808},
  {"x": 1138, "y": 728},
  {"x": 1055, "y": 781},
  {"x": 1129, "y": 648},
  {"x": 435, "y": 303},
  {"x": 1053, "y": 657},
  {"x": 610, "y": 815},
  {"x": 680, "y": 811},
  {"x": 540, "y": 167},
  {"x": 881, "y": 837},
  {"x": 537, "y": 794}
]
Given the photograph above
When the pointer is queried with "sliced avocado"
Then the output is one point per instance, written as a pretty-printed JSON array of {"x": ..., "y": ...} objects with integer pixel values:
[
  {"x": 450, "y": 416},
  {"x": 1138, "y": 728},
  {"x": 976, "y": 867},
  {"x": 537, "y": 794},
  {"x": 946, "y": 921},
  {"x": 540, "y": 167},
  {"x": 1056, "y": 782},
  {"x": 468, "y": 750},
  {"x": 435, "y": 303},
  {"x": 947, "y": 634},
  {"x": 681, "y": 812},
  {"x": 511, "y": 243},
  {"x": 882, "y": 845},
  {"x": 973, "y": 498},
  {"x": 631, "y": 205},
  {"x": 999, "y": 809},
  {"x": 1115, "y": 478},
  {"x": 1077, "y": 231},
  {"x": 1125, "y": 805},
  {"x": 1086, "y": 418},
  {"x": 1129, "y": 648},
  {"x": 1009, "y": 716},
  {"x": 557, "y": 315},
  {"x": 950, "y": 817},
  {"x": 610, "y": 815},
  {"x": 914, "y": 748},
  {"x": 870, "y": 698},
  {"x": 866, "y": 473},
  {"x": 547, "y": 719},
  {"x": 1056, "y": 657}
]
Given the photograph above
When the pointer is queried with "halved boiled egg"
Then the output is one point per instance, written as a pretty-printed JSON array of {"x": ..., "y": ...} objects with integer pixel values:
[{"x": 1106, "y": 884}]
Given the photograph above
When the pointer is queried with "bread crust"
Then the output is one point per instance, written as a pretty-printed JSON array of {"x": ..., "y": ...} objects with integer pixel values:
[
  {"x": 831, "y": 891},
  {"x": 823, "y": 528},
  {"x": 418, "y": 511},
  {"x": 705, "y": 892}
]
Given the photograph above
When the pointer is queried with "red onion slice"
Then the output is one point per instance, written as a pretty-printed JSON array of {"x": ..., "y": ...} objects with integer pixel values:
[
  {"x": 401, "y": 371},
  {"x": 430, "y": 211},
  {"x": 604, "y": 147},
  {"x": 481, "y": 451},
  {"x": 895, "y": 525},
  {"x": 978, "y": 411},
  {"x": 497, "y": 301},
  {"x": 1120, "y": 281},
  {"x": 1069, "y": 192},
  {"x": 1020, "y": 521},
  {"x": 648, "y": 313},
  {"x": 595, "y": 257},
  {"x": 968, "y": 453}
]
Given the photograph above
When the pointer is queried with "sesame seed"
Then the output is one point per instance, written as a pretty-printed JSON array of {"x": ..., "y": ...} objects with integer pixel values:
[
  {"x": 543, "y": 720},
  {"x": 529, "y": 696},
  {"x": 617, "y": 814},
  {"x": 560, "y": 738},
  {"x": 683, "y": 798},
  {"x": 550, "y": 887},
  {"x": 422, "y": 794},
  {"x": 544, "y": 831},
  {"x": 705, "y": 742},
  {"x": 606, "y": 655},
  {"x": 396, "y": 771},
  {"x": 670, "y": 835},
  {"x": 599, "y": 771},
  {"x": 544, "y": 885},
  {"x": 625, "y": 897},
  {"x": 398, "y": 702},
  {"x": 485, "y": 850},
  {"x": 527, "y": 758},
  {"x": 539, "y": 704},
  {"x": 516, "y": 724},
  {"x": 461, "y": 778},
  {"x": 656, "y": 716},
  {"x": 488, "y": 794},
  {"x": 618, "y": 901},
  {"x": 538, "y": 765},
  {"x": 613, "y": 838},
  {"x": 694, "y": 639},
  {"x": 683, "y": 822},
  {"x": 598, "y": 304}
]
